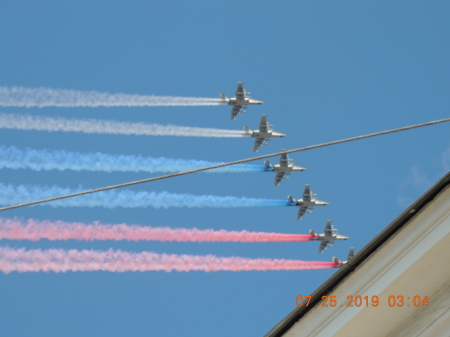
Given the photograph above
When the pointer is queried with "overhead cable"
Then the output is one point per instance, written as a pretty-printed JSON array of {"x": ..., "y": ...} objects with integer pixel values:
[{"x": 225, "y": 164}]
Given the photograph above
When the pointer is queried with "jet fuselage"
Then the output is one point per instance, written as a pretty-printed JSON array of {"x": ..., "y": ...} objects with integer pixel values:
[
  {"x": 323, "y": 237},
  {"x": 288, "y": 168},
  {"x": 243, "y": 102},
  {"x": 310, "y": 203},
  {"x": 269, "y": 134}
]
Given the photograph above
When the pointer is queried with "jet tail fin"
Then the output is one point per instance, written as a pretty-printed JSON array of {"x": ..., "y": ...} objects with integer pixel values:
[
  {"x": 312, "y": 233},
  {"x": 224, "y": 98},
  {"x": 336, "y": 260},
  {"x": 290, "y": 198},
  {"x": 246, "y": 129},
  {"x": 267, "y": 163}
]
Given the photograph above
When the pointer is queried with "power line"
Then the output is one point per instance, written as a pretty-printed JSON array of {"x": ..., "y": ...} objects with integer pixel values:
[{"x": 225, "y": 164}]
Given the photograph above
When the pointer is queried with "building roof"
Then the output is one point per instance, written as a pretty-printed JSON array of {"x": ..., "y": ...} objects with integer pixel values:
[{"x": 402, "y": 222}]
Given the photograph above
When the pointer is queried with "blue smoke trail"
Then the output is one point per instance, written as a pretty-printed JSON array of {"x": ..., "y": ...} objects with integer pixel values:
[
  {"x": 11, "y": 195},
  {"x": 37, "y": 160}
]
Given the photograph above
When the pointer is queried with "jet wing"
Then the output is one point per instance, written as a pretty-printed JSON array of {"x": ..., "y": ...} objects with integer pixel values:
[
  {"x": 235, "y": 111},
  {"x": 307, "y": 193},
  {"x": 258, "y": 143},
  {"x": 323, "y": 245},
  {"x": 350, "y": 254},
  {"x": 301, "y": 212},
  {"x": 263, "y": 127},
  {"x": 284, "y": 160},
  {"x": 278, "y": 178},
  {"x": 328, "y": 229},
  {"x": 240, "y": 91}
]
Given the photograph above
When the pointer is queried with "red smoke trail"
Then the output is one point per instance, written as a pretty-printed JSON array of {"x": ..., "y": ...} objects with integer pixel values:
[
  {"x": 15, "y": 229},
  {"x": 60, "y": 260}
]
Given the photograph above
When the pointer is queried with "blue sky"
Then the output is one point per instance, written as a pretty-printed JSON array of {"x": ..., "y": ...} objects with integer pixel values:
[{"x": 326, "y": 71}]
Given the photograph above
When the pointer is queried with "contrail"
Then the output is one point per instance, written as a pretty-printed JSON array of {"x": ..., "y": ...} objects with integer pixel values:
[
  {"x": 34, "y": 230},
  {"x": 111, "y": 127},
  {"x": 37, "y": 160},
  {"x": 60, "y": 261},
  {"x": 10, "y": 194},
  {"x": 46, "y": 97}
]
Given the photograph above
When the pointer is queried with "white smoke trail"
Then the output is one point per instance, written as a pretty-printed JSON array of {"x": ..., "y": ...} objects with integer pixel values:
[
  {"x": 10, "y": 195},
  {"x": 33, "y": 230},
  {"x": 37, "y": 160},
  {"x": 43, "y": 123},
  {"x": 46, "y": 97},
  {"x": 61, "y": 261}
]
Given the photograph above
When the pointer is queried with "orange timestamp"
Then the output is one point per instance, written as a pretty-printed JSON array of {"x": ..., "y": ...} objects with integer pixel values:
[{"x": 358, "y": 301}]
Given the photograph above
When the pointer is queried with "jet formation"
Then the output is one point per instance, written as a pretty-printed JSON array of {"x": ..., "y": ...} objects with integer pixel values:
[
  {"x": 240, "y": 101},
  {"x": 328, "y": 237},
  {"x": 262, "y": 134},
  {"x": 283, "y": 169}
]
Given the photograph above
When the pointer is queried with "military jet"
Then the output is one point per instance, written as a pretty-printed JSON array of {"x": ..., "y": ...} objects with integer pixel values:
[
  {"x": 262, "y": 133},
  {"x": 349, "y": 257},
  {"x": 240, "y": 101},
  {"x": 283, "y": 168},
  {"x": 307, "y": 203},
  {"x": 328, "y": 237}
]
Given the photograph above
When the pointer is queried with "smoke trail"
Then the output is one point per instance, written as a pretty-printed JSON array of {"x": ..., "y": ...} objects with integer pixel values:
[
  {"x": 37, "y": 160},
  {"x": 60, "y": 260},
  {"x": 34, "y": 230},
  {"x": 111, "y": 127},
  {"x": 46, "y": 97},
  {"x": 10, "y": 195}
]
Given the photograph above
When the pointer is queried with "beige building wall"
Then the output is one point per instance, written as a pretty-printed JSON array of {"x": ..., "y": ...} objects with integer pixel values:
[{"x": 415, "y": 261}]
